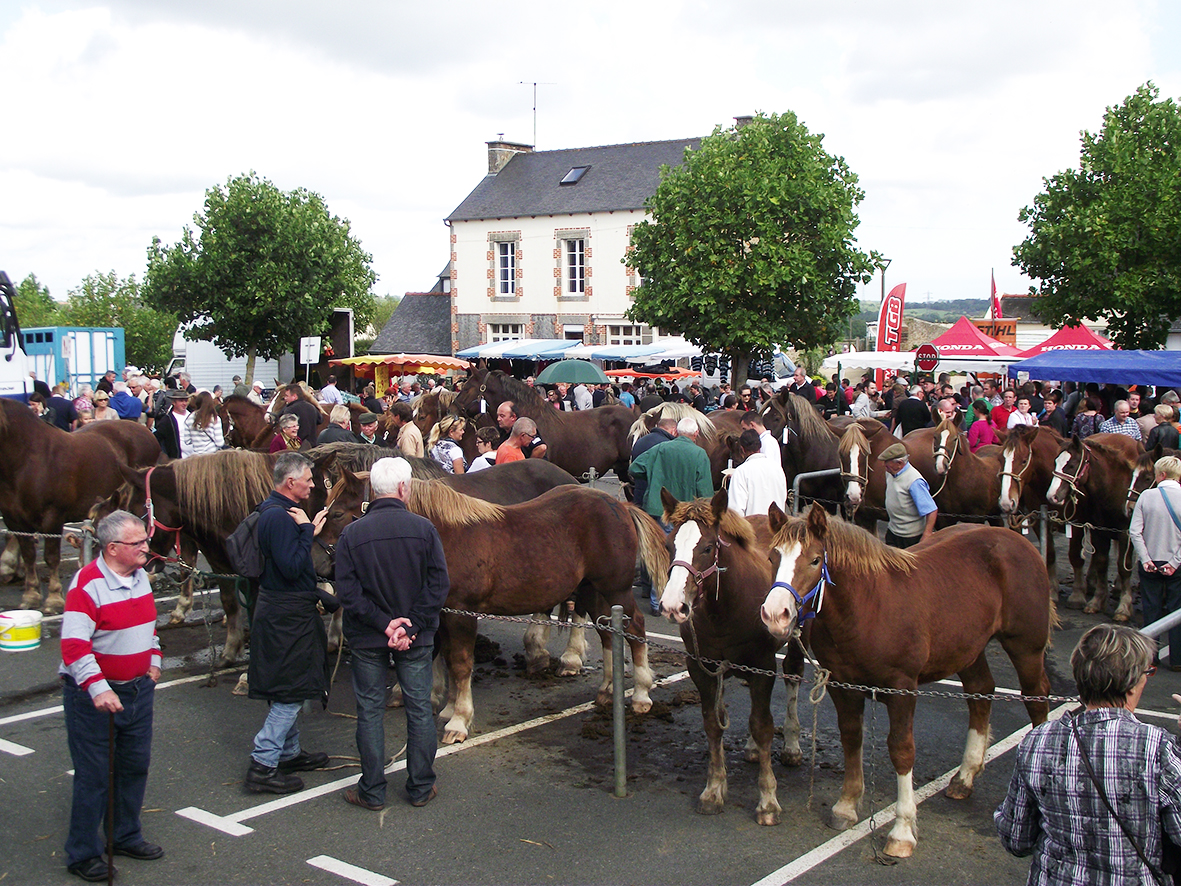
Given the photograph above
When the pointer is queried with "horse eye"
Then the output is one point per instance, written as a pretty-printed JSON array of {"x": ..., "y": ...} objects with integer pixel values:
[
  {"x": 336, "y": 515},
  {"x": 815, "y": 561}
]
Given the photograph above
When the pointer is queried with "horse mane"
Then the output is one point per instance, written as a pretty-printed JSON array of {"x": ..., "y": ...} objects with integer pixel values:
[
  {"x": 706, "y": 429},
  {"x": 235, "y": 399},
  {"x": 443, "y": 397},
  {"x": 222, "y": 487},
  {"x": 1108, "y": 451},
  {"x": 813, "y": 428},
  {"x": 361, "y": 456},
  {"x": 850, "y": 548},
  {"x": 732, "y": 524},
  {"x": 441, "y": 504},
  {"x": 854, "y": 436},
  {"x": 527, "y": 400}
]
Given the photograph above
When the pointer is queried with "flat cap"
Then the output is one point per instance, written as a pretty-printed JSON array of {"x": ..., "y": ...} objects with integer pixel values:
[
  {"x": 893, "y": 451},
  {"x": 174, "y": 394},
  {"x": 366, "y": 418}
]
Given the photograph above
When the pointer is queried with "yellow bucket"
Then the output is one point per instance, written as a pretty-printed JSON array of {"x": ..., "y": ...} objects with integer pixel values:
[{"x": 20, "y": 630}]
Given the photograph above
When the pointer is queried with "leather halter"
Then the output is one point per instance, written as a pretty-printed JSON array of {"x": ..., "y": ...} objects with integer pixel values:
[
  {"x": 1018, "y": 478},
  {"x": 150, "y": 514},
  {"x": 700, "y": 576},
  {"x": 817, "y": 593},
  {"x": 1072, "y": 480},
  {"x": 954, "y": 451}
]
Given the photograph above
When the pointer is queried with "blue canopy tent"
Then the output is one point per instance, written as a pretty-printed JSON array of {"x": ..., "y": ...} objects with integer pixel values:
[{"x": 1114, "y": 367}]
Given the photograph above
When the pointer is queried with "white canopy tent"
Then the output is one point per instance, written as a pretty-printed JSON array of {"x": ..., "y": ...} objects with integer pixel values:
[{"x": 904, "y": 361}]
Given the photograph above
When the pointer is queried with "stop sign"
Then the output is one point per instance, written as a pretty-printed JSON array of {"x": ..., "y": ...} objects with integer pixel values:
[{"x": 926, "y": 358}]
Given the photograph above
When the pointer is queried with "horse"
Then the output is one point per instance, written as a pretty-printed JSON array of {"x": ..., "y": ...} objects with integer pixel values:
[
  {"x": 245, "y": 422},
  {"x": 1092, "y": 483},
  {"x": 49, "y": 477},
  {"x": 495, "y": 567},
  {"x": 714, "y": 589},
  {"x": 575, "y": 441},
  {"x": 970, "y": 484},
  {"x": 885, "y": 618},
  {"x": 865, "y": 488},
  {"x": 1027, "y": 469},
  {"x": 806, "y": 441}
]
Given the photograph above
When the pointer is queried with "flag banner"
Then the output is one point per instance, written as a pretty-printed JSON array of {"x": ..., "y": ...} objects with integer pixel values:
[
  {"x": 890, "y": 324},
  {"x": 996, "y": 302}
]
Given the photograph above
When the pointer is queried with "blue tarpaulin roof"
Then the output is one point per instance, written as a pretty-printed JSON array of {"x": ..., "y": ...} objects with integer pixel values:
[{"x": 1115, "y": 367}]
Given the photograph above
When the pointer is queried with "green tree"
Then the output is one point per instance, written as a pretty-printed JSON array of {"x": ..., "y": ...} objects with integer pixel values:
[
  {"x": 105, "y": 300},
  {"x": 264, "y": 268},
  {"x": 1105, "y": 239},
  {"x": 34, "y": 305},
  {"x": 750, "y": 243}
]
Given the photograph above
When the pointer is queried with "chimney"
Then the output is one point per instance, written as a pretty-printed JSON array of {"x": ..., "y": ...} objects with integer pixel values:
[
  {"x": 740, "y": 122},
  {"x": 500, "y": 152}
]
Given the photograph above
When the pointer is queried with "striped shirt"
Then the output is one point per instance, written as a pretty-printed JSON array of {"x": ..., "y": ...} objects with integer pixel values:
[
  {"x": 109, "y": 628},
  {"x": 1129, "y": 428}
]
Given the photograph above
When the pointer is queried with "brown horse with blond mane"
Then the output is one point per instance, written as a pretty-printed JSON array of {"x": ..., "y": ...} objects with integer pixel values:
[{"x": 888, "y": 619}]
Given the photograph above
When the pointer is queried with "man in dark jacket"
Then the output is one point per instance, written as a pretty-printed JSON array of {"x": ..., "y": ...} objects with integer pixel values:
[
  {"x": 392, "y": 580},
  {"x": 339, "y": 428},
  {"x": 307, "y": 412},
  {"x": 168, "y": 425},
  {"x": 288, "y": 643}
]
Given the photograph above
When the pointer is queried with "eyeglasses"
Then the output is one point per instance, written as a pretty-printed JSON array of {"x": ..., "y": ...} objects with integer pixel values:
[
  {"x": 102, "y": 399},
  {"x": 1150, "y": 671},
  {"x": 143, "y": 542}
]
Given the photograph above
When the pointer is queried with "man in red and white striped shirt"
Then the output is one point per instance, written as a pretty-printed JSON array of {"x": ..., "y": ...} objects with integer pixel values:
[{"x": 110, "y": 664}]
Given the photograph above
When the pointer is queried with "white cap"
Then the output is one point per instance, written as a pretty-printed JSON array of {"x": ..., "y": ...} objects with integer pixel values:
[{"x": 257, "y": 384}]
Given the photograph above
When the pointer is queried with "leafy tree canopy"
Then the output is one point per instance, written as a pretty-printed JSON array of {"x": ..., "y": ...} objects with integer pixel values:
[
  {"x": 1105, "y": 239},
  {"x": 263, "y": 268},
  {"x": 34, "y": 305},
  {"x": 750, "y": 243},
  {"x": 105, "y": 300}
]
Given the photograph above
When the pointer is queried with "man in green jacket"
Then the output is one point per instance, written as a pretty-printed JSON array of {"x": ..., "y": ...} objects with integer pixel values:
[{"x": 678, "y": 465}]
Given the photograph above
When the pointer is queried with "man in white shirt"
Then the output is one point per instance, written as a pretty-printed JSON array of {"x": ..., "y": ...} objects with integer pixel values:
[
  {"x": 758, "y": 481},
  {"x": 769, "y": 445},
  {"x": 867, "y": 402},
  {"x": 583, "y": 398},
  {"x": 330, "y": 393}
]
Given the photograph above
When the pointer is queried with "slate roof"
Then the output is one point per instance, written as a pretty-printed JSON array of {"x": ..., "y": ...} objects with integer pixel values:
[
  {"x": 620, "y": 177},
  {"x": 421, "y": 324}
]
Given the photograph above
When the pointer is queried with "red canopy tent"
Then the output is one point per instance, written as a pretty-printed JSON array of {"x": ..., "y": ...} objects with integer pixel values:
[
  {"x": 1070, "y": 338},
  {"x": 965, "y": 339}
]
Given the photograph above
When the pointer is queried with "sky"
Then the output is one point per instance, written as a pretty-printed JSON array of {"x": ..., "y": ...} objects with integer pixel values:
[{"x": 119, "y": 115}]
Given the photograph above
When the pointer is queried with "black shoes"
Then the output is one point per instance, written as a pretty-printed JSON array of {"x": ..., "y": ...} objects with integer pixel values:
[
  {"x": 303, "y": 761},
  {"x": 93, "y": 870},
  {"x": 266, "y": 780},
  {"x": 143, "y": 850}
]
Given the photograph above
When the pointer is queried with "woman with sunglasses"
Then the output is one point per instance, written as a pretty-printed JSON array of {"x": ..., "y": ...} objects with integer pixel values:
[
  {"x": 102, "y": 407},
  {"x": 1094, "y": 794}
]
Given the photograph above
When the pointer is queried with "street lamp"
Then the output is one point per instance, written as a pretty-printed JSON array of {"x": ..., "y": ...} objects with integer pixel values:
[{"x": 885, "y": 264}]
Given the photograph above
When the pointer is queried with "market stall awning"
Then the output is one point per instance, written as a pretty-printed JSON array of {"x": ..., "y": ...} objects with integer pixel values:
[
  {"x": 404, "y": 362},
  {"x": 521, "y": 349},
  {"x": 1070, "y": 338},
  {"x": 674, "y": 347},
  {"x": 1112, "y": 367},
  {"x": 904, "y": 361}
]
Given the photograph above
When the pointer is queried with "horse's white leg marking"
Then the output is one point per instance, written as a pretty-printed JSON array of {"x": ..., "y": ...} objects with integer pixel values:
[
  {"x": 575, "y": 652},
  {"x": 674, "y": 601},
  {"x": 1123, "y": 582},
  {"x": 844, "y": 811},
  {"x": 972, "y": 763},
  {"x": 902, "y": 839},
  {"x": 10, "y": 560},
  {"x": 536, "y": 645},
  {"x": 603, "y": 696},
  {"x": 184, "y": 602},
  {"x": 642, "y": 677},
  {"x": 792, "y": 755},
  {"x": 463, "y": 711}
]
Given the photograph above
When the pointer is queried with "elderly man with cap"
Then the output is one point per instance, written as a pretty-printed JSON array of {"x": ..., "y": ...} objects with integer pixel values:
[
  {"x": 255, "y": 395},
  {"x": 240, "y": 388},
  {"x": 367, "y": 422},
  {"x": 168, "y": 425},
  {"x": 912, "y": 510}
]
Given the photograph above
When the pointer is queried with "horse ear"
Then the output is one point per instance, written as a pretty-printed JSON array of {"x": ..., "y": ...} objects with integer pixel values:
[
  {"x": 347, "y": 476},
  {"x": 669, "y": 501},
  {"x": 719, "y": 504},
  {"x": 132, "y": 476},
  {"x": 776, "y": 519},
  {"x": 959, "y": 419},
  {"x": 1158, "y": 453},
  {"x": 817, "y": 521}
]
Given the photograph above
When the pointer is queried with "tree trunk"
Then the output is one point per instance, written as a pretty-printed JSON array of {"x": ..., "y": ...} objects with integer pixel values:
[
  {"x": 251, "y": 353},
  {"x": 739, "y": 368}
]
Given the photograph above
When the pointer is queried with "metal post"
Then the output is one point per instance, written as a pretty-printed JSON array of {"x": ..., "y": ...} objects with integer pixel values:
[
  {"x": 591, "y": 476},
  {"x": 807, "y": 475},
  {"x": 617, "y": 700},
  {"x": 1043, "y": 516},
  {"x": 87, "y": 545}
]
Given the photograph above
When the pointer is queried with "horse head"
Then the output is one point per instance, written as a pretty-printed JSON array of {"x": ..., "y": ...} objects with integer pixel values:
[
  {"x": 696, "y": 545},
  {"x": 347, "y": 501},
  {"x": 1016, "y": 458},
  {"x": 799, "y": 563},
  {"x": 1143, "y": 476},
  {"x": 1070, "y": 471},
  {"x": 854, "y": 455},
  {"x": 467, "y": 401},
  {"x": 947, "y": 445}
]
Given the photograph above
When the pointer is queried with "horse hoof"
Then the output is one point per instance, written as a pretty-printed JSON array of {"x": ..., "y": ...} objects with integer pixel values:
[
  {"x": 712, "y": 806},
  {"x": 791, "y": 758},
  {"x": 535, "y": 667},
  {"x": 54, "y": 607},
  {"x": 452, "y": 736},
  {"x": 603, "y": 698},
  {"x": 176, "y": 618},
  {"x": 899, "y": 848},
  {"x": 957, "y": 790},
  {"x": 572, "y": 669},
  {"x": 242, "y": 687},
  {"x": 1090, "y": 609},
  {"x": 840, "y": 823},
  {"x": 1073, "y": 603},
  {"x": 767, "y": 818},
  {"x": 1120, "y": 617},
  {"x": 641, "y": 707}
]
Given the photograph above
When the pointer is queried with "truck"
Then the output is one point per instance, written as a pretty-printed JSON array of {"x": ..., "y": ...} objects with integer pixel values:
[
  {"x": 73, "y": 355},
  {"x": 208, "y": 365},
  {"x": 15, "y": 382}
]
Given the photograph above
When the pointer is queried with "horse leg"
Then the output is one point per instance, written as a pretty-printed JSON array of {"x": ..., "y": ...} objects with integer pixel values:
[
  {"x": 235, "y": 635},
  {"x": 901, "y": 841},
  {"x": 793, "y": 666},
  {"x": 575, "y": 652},
  {"x": 54, "y": 602},
  {"x": 32, "y": 595},
  {"x": 439, "y": 687},
  {"x": 184, "y": 599},
  {"x": 536, "y": 640},
  {"x": 977, "y": 678},
  {"x": 642, "y": 677},
  {"x": 1098, "y": 587},
  {"x": 1078, "y": 593},
  {"x": 762, "y": 731},
  {"x": 10, "y": 561},
  {"x": 850, "y": 711},
  {"x": 463, "y": 653},
  {"x": 713, "y": 799},
  {"x": 1123, "y": 581},
  {"x": 1051, "y": 560}
]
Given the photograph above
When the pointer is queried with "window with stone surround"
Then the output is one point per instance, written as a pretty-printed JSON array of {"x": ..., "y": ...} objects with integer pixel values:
[
  {"x": 504, "y": 264},
  {"x": 573, "y": 269},
  {"x": 622, "y": 334},
  {"x": 505, "y": 332}
]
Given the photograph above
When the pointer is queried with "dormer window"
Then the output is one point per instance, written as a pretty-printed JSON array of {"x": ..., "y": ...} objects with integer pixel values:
[{"x": 574, "y": 175}]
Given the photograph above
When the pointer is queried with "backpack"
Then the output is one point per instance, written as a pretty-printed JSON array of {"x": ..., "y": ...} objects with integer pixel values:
[{"x": 243, "y": 549}]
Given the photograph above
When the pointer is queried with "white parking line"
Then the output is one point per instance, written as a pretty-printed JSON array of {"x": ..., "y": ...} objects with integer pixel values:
[
  {"x": 350, "y": 871},
  {"x": 17, "y": 750},
  {"x": 882, "y": 817}
]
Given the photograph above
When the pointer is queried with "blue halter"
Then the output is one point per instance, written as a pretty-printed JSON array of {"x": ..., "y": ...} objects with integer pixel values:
[{"x": 817, "y": 593}]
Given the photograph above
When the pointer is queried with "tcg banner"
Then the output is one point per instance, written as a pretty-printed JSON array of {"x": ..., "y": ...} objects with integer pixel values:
[{"x": 890, "y": 325}]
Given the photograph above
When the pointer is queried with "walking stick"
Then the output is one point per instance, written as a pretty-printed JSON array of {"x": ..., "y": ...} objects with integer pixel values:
[{"x": 110, "y": 798}]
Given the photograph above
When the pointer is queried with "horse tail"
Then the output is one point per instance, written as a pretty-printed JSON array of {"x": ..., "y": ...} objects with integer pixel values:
[{"x": 651, "y": 547}]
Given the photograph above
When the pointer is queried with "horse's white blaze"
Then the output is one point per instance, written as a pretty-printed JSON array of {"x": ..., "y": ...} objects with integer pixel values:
[
  {"x": 684, "y": 543},
  {"x": 1056, "y": 494},
  {"x": 941, "y": 462},
  {"x": 973, "y": 762},
  {"x": 1007, "y": 504},
  {"x": 1130, "y": 504},
  {"x": 853, "y": 488},
  {"x": 907, "y": 810},
  {"x": 779, "y": 608}
]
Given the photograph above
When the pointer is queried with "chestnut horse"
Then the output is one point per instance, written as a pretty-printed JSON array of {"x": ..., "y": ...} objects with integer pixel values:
[
  {"x": 714, "y": 589},
  {"x": 575, "y": 441},
  {"x": 1027, "y": 469},
  {"x": 887, "y": 618},
  {"x": 969, "y": 482},
  {"x": 49, "y": 477},
  {"x": 496, "y": 567},
  {"x": 1092, "y": 483},
  {"x": 806, "y": 443}
]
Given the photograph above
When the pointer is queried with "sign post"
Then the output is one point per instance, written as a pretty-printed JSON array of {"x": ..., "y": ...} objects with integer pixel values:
[
  {"x": 926, "y": 358},
  {"x": 309, "y": 353}
]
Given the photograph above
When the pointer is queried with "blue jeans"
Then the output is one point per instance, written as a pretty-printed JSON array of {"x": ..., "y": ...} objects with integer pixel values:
[
  {"x": 1159, "y": 595},
  {"x": 87, "y": 732},
  {"x": 370, "y": 674},
  {"x": 279, "y": 737}
]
